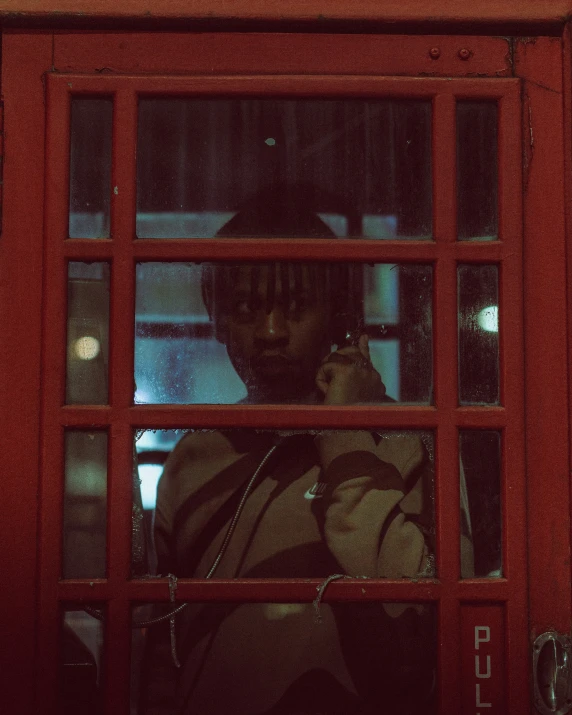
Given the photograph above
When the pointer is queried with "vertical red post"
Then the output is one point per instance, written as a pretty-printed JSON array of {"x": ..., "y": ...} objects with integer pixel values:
[
  {"x": 120, "y": 481},
  {"x": 25, "y": 58},
  {"x": 445, "y": 370},
  {"x": 546, "y": 370}
]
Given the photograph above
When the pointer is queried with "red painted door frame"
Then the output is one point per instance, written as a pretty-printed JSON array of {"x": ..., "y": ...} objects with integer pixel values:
[{"x": 28, "y": 262}]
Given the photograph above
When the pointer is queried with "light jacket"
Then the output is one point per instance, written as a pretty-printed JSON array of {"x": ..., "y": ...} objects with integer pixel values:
[{"x": 349, "y": 502}]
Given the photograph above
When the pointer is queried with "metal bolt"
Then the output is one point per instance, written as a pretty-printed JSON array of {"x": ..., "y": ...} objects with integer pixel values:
[
  {"x": 464, "y": 54},
  {"x": 434, "y": 53}
]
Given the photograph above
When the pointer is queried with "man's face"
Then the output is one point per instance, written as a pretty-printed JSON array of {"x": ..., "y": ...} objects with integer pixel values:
[{"x": 277, "y": 329}]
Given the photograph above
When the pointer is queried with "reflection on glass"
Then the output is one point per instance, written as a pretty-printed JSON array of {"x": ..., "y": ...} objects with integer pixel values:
[
  {"x": 478, "y": 334},
  {"x": 85, "y": 501},
  {"x": 90, "y": 167},
  {"x": 477, "y": 189},
  {"x": 363, "y": 165},
  {"x": 257, "y": 333},
  {"x": 481, "y": 519},
  {"x": 282, "y": 658},
  {"x": 295, "y": 518},
  {"x": 80, "y": 671},
  {"x": 87, "y": 333}
]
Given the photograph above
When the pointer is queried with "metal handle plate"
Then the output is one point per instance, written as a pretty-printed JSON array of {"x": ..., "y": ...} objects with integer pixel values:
[{"x": 551, "y": 668}]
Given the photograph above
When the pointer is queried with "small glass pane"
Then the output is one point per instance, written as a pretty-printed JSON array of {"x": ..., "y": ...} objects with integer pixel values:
[
  {"x": 87, "y": 333},
  {"x": 90, "y": 167},
  {"x": 258, "y": 333},
  {"x": 364, "y": 166},
  {"x": 80, "y": 667},
  {"x": 477, "y": 182},
  {"x": 478, "y": 334},
  {"x": 85, "y": 503},
  {"x": 287, "y": 658},
  {"x": 324, "y": 502},
  {"x": 481, "y": 516}
]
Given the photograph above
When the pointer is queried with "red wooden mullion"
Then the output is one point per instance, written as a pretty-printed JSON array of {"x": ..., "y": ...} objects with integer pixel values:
[
  {"x": 53, "y": 381},
  {"x": 120, "y": 485},
  {"x": 298, "y": 590},
  {"x": 445, "y": 371},
  {"x": 258, "y": 85},
  {"x": 511, "y": 368},
  {"x": 284, "y": 417},
  {"x": 244, "y": 249}
]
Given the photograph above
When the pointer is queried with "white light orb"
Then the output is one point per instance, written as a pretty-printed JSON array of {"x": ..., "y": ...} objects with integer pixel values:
[
  {"x": 488, "y": 319},
  {"x": 86, "y": 347}
]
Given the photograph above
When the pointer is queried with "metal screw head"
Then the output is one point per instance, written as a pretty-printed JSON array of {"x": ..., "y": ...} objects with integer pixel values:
[
  {"x": 464, "y": 54},
  {"x": 434, "y": 53}
]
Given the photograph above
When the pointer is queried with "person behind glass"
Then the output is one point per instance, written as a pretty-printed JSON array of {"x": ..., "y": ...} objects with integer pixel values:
[{"x": 339, "y": 502}]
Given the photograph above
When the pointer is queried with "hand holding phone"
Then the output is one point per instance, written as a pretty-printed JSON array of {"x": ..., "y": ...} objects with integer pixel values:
[{"x": 347, "y": 376}]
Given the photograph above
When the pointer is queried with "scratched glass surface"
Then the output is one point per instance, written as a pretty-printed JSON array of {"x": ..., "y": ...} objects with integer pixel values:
[
  {"x": 85, "y": 504},
  {"x": 201, "y": 339},
  {"x": 477, "y": 173},
  {"x": 481, "y": 513},
  {"x": 364, "y": 166},
  {"x": 188, "y": 483},
  {"x": 87, "y": 353},
  {"x": 80, "y": 678},
  {"x": 90, "y": 167},
  {"x": 478, "y": 296},
  {"x": 282, "y": 658}
]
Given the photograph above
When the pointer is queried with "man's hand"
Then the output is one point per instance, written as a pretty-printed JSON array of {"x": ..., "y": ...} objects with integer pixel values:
[{"x": 347, "y": 376}]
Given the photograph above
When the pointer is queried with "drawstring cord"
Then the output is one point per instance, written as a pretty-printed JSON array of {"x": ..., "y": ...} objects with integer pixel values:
[
  {"x": 322, "y": 588},
  {"x": 170, "y": 616},
  {"x": 172, "y": 632}
]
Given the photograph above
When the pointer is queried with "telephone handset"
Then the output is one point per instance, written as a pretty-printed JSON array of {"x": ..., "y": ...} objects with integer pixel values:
[{"x": 348, "y": 311}]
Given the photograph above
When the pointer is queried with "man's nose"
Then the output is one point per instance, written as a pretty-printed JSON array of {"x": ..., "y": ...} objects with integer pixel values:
[{"x": 272, "y": 327}]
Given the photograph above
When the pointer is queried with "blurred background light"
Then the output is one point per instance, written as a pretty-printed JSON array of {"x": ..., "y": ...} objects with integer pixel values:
[
  {"x": 488, "y": 319},
  {"x": 149, "y": 475},
  {"x": 87, "y": 347}
]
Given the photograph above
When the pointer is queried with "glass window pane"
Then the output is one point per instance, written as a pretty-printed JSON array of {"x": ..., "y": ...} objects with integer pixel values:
[
  {"x": 85, "y": 504},
  {"x": 295, "y": 520},
  {"x": 477, "y": 183},
  {"x": 258, "y": 333},
  {"x": 481, "y": 515},
  {"x": 364, "y": 166},
  {"x": 80, "y": 676},
  {"x": 478, "y": 334},
  {"x": 87, "y": 333},
  {"x": 90, "y": 167},
  {"x": 280, "y": 659}
]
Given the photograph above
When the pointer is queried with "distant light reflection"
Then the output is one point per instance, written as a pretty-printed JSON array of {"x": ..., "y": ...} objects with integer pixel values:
[
  {"x": 87, "y": 347},
  {"x": 488, "y": 319}
]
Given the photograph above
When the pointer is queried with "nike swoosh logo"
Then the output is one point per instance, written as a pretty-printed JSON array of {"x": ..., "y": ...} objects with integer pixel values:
[{"x": 316, "y": 492}]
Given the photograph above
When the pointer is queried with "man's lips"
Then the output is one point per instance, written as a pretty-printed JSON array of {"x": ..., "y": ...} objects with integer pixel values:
[{"x": 271, "y": 364}]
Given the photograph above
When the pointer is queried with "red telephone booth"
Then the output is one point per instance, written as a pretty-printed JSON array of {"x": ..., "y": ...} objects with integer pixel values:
[{"x": 409, "y": 162}]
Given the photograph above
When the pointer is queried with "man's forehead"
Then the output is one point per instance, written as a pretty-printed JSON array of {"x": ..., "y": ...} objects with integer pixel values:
[{"x": 295, "y": 275}]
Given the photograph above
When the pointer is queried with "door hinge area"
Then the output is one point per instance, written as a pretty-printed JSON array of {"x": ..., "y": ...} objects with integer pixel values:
[{"x": 552, "y": 673}]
